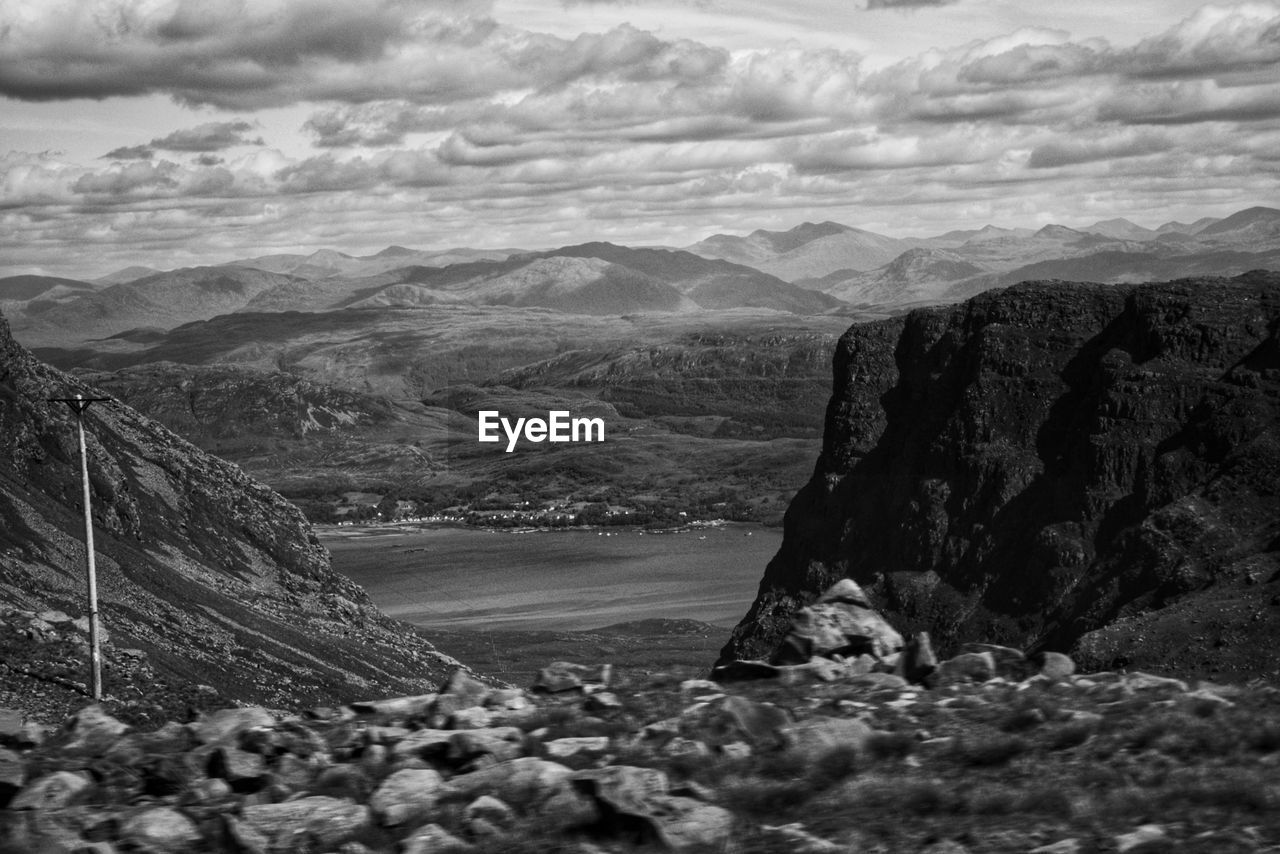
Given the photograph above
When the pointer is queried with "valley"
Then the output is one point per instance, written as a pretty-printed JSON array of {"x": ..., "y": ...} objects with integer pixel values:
[{"x": 352, "y": 384}]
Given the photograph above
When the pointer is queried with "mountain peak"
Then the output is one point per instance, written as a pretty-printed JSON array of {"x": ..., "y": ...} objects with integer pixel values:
[
  {"x": 1256, "y": 216},
  {"x": 1059, "y": 232},
  {"x": 393, "y": 252}
]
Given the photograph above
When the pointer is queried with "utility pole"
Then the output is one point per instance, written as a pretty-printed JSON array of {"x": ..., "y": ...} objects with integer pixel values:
[{"x": 78, "y": 405}]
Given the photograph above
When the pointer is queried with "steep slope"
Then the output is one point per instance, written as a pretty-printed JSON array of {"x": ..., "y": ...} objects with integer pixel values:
[
  {"x": 1056, "y": 464},
  {"x": 216, "y": 579}
]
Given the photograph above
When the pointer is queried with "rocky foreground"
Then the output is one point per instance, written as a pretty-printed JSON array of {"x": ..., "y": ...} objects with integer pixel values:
[{"x": 850, "y": 740}]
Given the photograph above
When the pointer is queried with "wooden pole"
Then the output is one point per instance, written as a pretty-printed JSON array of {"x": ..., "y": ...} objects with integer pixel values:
[
  {"x": 78, "y": 405},
  {"x": 95, "y": 643}
]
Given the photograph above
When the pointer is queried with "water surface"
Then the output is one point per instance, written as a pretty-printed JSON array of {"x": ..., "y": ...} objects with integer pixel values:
[{"x": 461, "y": 578}]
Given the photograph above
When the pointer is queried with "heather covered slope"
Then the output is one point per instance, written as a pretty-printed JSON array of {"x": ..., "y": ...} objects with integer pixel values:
[
  {"x": 216, "y": 579},
  {"x": 1055, "y": 464}
]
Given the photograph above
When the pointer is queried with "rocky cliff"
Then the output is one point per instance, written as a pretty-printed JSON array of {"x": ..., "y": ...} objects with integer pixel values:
[
  {"x": 1083, "y": 467},
  {"x": 204, "y": 575}
]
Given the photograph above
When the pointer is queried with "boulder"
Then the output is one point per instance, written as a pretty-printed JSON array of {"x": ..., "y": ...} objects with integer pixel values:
[
  {"x": 488, "y": 816},
  {"x": 10, "y": 726},
  {"x": 1056, "y": 666},
  {"x": 588, "y": 744},
  {"x": 161, "y": 830},
  {"x": 680, "y": 823},
  {"x": 502, "y": 743},
  {"x": 396, "y": 707},
  {"x": 918, "y": 660},
  {"x": 52, "y": 791},
  {"x": 815, "y": 737},
  {"x": 967, "y": 667},
  {"x": 759, "y": 724},
  {"x": 1010, "y": 663},
  {"x": 93, "y": 730},
  {"x": 467, "y": 689},
  {"x": 243, "y": 771},
  {"x": 560, "y": 676},
  {"x": 531, "y": 785},
  {"x": 226, "y": 724},
  {"x": 842, "y": 622},
  {"x": 434, "y": 839},
  {"x": 13, "y": 774},
  {"x": 327, "y": 821},
  {"x": 407, "y": 796}
]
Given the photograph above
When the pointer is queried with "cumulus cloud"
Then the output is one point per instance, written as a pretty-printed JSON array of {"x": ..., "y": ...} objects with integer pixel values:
[
  {"x": 211, "y": 136},
  {"x": 130, "y": 152},
  {"x": 226, "y": 53},
  {"x": 438, "y": 115},
  {"x": 1070, "y": 151}
]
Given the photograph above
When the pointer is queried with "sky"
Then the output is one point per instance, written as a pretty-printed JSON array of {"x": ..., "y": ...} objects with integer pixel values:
[{"x": 170, "y": 133}]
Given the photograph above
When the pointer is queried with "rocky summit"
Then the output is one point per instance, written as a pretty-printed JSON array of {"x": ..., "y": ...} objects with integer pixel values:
[
  {"x": 1067, "y": 466},
  {"x": 212, "y": 588}
]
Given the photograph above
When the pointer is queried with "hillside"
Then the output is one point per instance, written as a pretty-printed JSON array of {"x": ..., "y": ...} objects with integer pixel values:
[
  {"x": 206, "y": 575},
  {"x": 807, "y": 251},
  {"x": 163, "y": 301},
  {"x": 1055, "y": 464}
]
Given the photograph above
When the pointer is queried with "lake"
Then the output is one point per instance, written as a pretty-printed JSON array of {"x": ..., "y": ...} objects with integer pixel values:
[{"x": 569, "y": 580}]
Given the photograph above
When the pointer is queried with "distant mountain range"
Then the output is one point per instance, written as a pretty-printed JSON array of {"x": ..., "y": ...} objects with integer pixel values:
[{"x": 811, "y": 269}]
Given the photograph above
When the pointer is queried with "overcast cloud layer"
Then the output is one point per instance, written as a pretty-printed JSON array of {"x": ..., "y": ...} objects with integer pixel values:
[{"x": 301, "y": 124}]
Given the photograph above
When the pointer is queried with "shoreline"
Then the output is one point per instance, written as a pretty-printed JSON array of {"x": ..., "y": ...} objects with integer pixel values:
[{"x": 388, "y": 529}]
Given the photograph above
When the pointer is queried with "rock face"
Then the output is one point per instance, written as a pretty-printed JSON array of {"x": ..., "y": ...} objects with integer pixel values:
[
  {"x": 1056, "y": 465},
  {"x": 203, "y": 573}
]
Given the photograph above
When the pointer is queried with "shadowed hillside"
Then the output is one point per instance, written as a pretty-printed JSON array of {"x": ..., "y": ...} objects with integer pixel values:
[
  {"x": 207, "y": 574},
  {"x": 1055, "y": 464}
]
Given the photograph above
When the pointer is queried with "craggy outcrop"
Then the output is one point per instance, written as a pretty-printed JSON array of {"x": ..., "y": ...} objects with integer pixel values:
[
  {"x": 1055, "y": 465},
  {"x": 210, "y": 575}
]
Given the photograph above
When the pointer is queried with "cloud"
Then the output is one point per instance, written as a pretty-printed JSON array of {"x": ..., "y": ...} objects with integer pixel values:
[
  {"x": 130, "y": 152},
  {"x": 435, "y": 118},
  {"x": 211, "y": 136},
  {"x": 1215, "y": 41},
  {"x": 229, "y": 53},
  {"x": 129, "y": 179},
  {"x": 1071, "y": 151},
  {"x": 907, "y": 4}
]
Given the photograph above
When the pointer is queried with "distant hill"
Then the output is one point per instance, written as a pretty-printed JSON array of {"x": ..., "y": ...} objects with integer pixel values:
[
  {"x": 1121, "y": 229},
  {"x": 1257, "y": 223},
  {"x": 712, "y": 284},
  {"x": 327, "y": 263},
  {"x": 128, "y": 274},
  {"x": 164, "y": 300},
  {"x": 806, "y": 251},
  {"x": 29, "y": 287},
  {"x": 571, "y": 284},
  {"x": 917, "y": 275}
]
